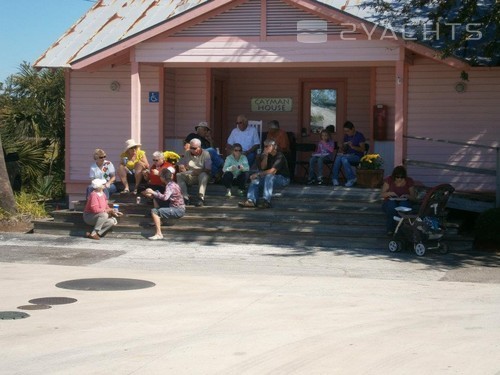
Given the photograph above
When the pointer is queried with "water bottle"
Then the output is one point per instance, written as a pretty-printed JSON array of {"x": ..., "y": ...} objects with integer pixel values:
[
  {"x": 138, "y": 200},
  {"x": 116, "y": 207}
]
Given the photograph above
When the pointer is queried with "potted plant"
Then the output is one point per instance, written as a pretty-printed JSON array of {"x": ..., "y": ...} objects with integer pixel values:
[{"x": 370, "y": 173}]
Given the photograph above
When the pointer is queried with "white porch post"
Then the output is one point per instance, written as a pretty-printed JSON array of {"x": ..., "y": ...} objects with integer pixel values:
[
  {"x": 400, "y": 105},
  {"x": 135, "y": 107}
]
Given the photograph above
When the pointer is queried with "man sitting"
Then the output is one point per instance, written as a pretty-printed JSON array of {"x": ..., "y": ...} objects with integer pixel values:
[
  {"x": 353, "y": 150},
  {"x": 194, "y": 168},
  {"x": 203, "y": 133},
  {"x": 247, "y": 137},
  {"x": 273, "y": 172}
]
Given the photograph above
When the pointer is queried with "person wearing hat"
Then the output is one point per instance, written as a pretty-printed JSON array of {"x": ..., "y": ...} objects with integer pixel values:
[
  {"x": 97, "y": 211},
  {"x": 247, "y": 137},
  {"x": 133, "y": 163},
  {"x": 203, "y": 133},
  {"x": 167, "y": 205}
]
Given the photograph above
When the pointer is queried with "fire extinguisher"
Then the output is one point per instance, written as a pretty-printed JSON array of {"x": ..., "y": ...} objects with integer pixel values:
[{"x": 380, "y": 122}]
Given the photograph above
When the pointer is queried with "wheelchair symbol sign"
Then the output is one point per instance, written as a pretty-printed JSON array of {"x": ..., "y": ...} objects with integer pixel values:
[{"x": 154, "y": 96}]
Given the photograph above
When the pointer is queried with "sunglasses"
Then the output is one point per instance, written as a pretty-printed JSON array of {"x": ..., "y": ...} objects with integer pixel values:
[
  {"x": 103, "y": 157},
  {"x": 193, "y": 148},
  {"x": 238, "y": 149},
  {"x": 156, "y": 160}
]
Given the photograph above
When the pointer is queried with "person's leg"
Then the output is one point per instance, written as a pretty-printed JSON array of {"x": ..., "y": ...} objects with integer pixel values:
[
  {"x": 182, "y": 178},
  {"x": 122, "y": 173},
  {"x": 271, "y": 182},
  {"x": 240, "y": 181},
  {"x": 347, "y": 162},
  {"x": 312, "y": 162},
  {"x": 251, "y": 158},
  {"x": 227, "y": 179},
  {"x": 217, "y": 161},
  {"x": 320, "y": 168},
  {"x": 103, "y": 224},
  {"x": 89, "y": 190},
  {"x": 253, "y": 190},
  {"x": 389, "y": 207},
  {"x": 157, "y": 222},
  {"x": 203, "y": 182},
  {"x": 336, "y": 168},
  {"x": 138, "y": 175}
]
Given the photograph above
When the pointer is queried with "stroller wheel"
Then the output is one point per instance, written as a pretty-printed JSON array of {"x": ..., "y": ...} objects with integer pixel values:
[
  {"x": 395, "y": 246},
  {"x": 443, "y": 248},
  {"x": 419, "y": 249}
]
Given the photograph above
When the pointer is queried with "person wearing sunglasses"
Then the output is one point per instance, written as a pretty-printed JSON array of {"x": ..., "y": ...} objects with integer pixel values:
[
  {"x": 273, "y": 172},
  {"x": 247, "y": 137},
  {"x": 102, "y": 169},
  {"x": 194, "y": 168},
  {"x": 152, "y": 175},
  {"x": 235, "y": 170},
  {"x": 134, "y": 162},
  {"x": 398, "y": 190}
]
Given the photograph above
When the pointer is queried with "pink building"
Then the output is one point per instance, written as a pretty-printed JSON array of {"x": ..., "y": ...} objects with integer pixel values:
[{"x": 151, "y": 70}]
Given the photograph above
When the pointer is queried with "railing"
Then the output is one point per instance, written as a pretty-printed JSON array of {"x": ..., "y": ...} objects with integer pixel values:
[{"x": 490, "y": 172}]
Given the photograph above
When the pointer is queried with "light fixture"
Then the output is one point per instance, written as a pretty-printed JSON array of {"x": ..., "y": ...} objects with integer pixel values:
[
  {"x": 115, "y": 86},
  {"x": 460, "y": 87}
]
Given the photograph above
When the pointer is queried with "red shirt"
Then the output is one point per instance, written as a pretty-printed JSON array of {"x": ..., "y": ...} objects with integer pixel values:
[{"x": 155, "y": 179}]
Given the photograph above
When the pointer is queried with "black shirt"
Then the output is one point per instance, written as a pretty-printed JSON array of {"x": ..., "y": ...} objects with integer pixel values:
[
  {"x": 278, "y": 162},
  {"x": 204, "y": 142}
]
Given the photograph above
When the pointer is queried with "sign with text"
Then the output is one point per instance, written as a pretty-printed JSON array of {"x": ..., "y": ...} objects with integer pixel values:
[{"x": 271, "y": 104}]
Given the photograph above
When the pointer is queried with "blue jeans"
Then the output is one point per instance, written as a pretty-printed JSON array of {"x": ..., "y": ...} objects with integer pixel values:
[
  {"x": 217, "y": 161},
  {"x": 345, "y": 161},
  {"x": 317, "y": 160},
  {"x": 265, "y": 185},
  {"x": 389, "y": 207}
]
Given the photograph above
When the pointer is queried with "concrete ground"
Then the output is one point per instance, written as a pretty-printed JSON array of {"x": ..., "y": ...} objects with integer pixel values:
[{"x": 246, "y": 309}]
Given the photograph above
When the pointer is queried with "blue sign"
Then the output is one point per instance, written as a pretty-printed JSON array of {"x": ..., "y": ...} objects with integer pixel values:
[{"x": 154, "y": 96}]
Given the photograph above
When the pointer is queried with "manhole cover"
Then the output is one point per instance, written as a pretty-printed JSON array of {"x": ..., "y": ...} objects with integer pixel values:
[
  {"x": 52, "y": 301},
  {"x": 12, "y": 315},
  {"x": 103, "y": 284},
  {"x": 34, "y": 307}
]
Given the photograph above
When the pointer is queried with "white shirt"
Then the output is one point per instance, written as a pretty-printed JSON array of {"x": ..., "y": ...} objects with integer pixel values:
[
  {"x": 247, "y": 138},
  {"x": 107, "y": 171}
]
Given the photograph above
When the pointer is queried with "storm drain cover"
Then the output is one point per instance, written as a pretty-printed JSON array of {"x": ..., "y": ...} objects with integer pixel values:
[
  {"x": 12, "y": 315},
  {"x": 52, "y": 301},
  {"x": 34, "y": 307},
  {"x": 103, "y": 284}
]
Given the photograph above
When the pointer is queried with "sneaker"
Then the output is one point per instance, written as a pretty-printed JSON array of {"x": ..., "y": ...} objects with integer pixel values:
[
  {"x": 335, "y": 182},
  {"x": 156, "y": 237},
  {"x": 311, "y": 181},
  {"x": 241, "y": 192},
  {"x": 228, "y": 193},
  {"x": 92, "y": 236},
  {"x": 187, "y": 202},
  {"x": 350, "y": 183},
  {"x": 320, "y": 181},
  {"x": 200, "y": 202},
  {"x": 248, "y": 203}
]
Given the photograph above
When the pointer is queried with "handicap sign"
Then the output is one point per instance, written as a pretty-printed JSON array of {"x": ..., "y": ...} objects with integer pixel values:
[{"x": 154, "y": 96}]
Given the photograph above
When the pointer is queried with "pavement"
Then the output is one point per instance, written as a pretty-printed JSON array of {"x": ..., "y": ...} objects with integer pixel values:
[{"x": 247, "y": 309}]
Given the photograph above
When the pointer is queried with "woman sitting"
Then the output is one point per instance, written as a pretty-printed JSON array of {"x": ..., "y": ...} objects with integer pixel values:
[
  {"x": 97, "y": 212},
  {"x": 235, "y": 169},
  {"x": 397, "y": 191},
  {"x": 133, "y": 163},
  {"x": 102, "y": 169},
  {"x": 324, "y": 151}
]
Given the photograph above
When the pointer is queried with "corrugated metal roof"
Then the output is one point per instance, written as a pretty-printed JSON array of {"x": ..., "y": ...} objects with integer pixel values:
[{"x": 109, "y": 22}]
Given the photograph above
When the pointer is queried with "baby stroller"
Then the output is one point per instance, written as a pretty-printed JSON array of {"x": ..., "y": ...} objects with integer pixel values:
[{"x": 426, "y": 228}]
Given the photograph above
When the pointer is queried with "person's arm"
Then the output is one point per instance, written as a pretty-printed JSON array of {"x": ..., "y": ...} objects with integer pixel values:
[{"x": 385, "y": 193}]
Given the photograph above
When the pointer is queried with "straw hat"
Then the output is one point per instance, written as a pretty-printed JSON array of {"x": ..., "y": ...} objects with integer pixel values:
[
  {"x": 202, "y": 124},
  {"x": 130, "y": 143}
]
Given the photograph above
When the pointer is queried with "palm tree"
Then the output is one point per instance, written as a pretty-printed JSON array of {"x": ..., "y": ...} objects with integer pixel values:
[{"x": 7, "y": 200}]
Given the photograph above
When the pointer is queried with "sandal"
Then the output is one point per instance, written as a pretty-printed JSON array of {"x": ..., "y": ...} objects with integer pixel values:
[
  {"x": 125, "y": 191},
  {"x": 156, "y": 237}
]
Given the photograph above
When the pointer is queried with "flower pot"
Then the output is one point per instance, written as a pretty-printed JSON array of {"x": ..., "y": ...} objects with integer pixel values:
[{"x": 370, "y": 178}]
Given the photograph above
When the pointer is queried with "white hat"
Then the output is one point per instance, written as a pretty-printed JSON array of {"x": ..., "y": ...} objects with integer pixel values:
[
  {"x": 97, "y": 183},
  {"x": 202, "y": 124},
  {"x": 171, "y": 169},
  {"x": 130, "y": 143}
]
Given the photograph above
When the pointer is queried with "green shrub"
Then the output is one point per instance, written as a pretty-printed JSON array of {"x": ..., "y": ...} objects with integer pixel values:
[
  {"x": 28, "y": 206},
  {"x": 487, "y": 227}
]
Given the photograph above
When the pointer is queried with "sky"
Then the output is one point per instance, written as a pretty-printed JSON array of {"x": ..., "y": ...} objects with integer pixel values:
[{"x": 29, "y": 27}]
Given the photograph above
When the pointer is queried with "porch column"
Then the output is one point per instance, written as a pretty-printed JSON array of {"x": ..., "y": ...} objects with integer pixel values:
[
  {"x": 400, "y": 108},
  {"x": 135, "y": 107}
]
